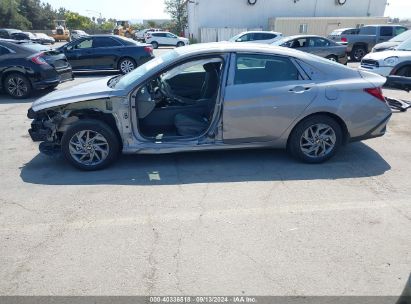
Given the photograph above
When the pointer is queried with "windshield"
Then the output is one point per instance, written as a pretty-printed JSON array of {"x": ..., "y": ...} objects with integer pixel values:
[
  {"x": 281, "y": 41},
  {"x": 405, "y": 46},
  {"x": 402, "y": 37},
  {"x": 235, "y": 37},
  {"x": 133, "y": 76}
]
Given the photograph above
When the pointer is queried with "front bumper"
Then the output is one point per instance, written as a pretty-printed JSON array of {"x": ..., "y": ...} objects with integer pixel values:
[{"x": 383, "y": 71}]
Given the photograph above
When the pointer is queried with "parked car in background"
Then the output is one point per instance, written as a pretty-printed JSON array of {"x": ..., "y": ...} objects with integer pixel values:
[
  {"x": 257, "y": 37},
  {"x": 141, "y": 35},
  {"x": 362, "y": 43},
  {"x": 391, "y": 62},
  {"x": 25, "y": 67},
  {"x": 6, "y": 33},
  {"x": 44, "y": 39},
  {"x": 393, "y": 42},
  {"x": 175, "y": 103},
  {"x": 23, "y": 36},
  {"x": 76, "y": 34},
  {"x": 316, "y": 45},
  {"x": 157, "y": 39},
  {"x": 106, "y": 52},
  {"x": 337, "y": 34}
]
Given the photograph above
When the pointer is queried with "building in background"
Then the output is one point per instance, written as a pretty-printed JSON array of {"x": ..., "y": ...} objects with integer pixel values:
[{"x": 216, "y": 20}]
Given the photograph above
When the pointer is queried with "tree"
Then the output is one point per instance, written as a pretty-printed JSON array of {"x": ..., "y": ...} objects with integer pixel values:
[
  {"x": 178, "y": 11},
  {"x": 76, "y": 21},
  {"x": 11, "y": 17}
]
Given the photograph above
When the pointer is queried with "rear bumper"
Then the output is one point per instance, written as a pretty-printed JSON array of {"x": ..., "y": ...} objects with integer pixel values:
[
  {"x": 50, "y": 79},
  {"x": 377, "y": 131},
  {"x": 399, "y": 82}
]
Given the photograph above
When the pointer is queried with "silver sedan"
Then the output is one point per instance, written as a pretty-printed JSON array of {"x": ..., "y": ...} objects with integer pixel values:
[{"x": 210, "y": 97}]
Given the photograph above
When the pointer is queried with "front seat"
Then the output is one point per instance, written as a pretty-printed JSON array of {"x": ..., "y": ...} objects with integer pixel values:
[{"x": 193, "y": 124}]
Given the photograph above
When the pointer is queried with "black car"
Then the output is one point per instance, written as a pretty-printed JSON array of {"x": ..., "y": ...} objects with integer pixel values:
[
  {"x": 7, "y": 33},
  {"x": 25, "y": 67},
  {"x": 106, "y": 52}
]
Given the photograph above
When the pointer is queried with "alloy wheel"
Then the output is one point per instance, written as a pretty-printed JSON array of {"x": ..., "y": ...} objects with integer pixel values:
[
  {"x": 89, "y": 148},
  {"x": 359, "y": 54},
  {"x": 16, "y": 86},
  {"x": 318, "y": 140},
  {"x": 126, "y": 66}
]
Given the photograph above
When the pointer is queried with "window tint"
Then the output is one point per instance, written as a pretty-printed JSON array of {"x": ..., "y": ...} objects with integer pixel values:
[
  {"x": 386, "y": 31},
  {"x": 171, "y": 36},
  {"x": 105, "y": 42},
  {"x": 263, "y": 68},
  {"x": 4, "y": 51},
  {"x": 319, "y": 42},
  {"x": 85, "y": 44},
  {"x": 297, "y": 43},
  {"x": 246, "y": 37},
  {"x": 368, "y": 30},
  {"x": 399, "y": 30}
]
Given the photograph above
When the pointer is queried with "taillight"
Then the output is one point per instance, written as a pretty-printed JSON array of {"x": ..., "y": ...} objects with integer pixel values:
[
  {"x": 377, "y": 93},
  {"x": 344, "y": 39},
  {"x": 38, "y": 59},
  {"x": 149, "y": 49}
]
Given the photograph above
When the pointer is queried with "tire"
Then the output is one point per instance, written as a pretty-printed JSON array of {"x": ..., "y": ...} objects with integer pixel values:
[
  {"x": 358, "y": 53},
  {"x": 332, "y": 58},
  {"x": 328, "y": 145},
  {"x": 154, "y": 44},
  {"x": 94, "y": 159},
  {"x": 404, "y": 71},
  {"x": 17, "y": 86},
  {"x": 126, "y": 65},
  {"x": 180, "y": 44}
]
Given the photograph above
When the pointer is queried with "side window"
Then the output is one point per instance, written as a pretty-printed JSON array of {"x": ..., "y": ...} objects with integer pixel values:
[
  {"x": 105, "y": 42},
  {"x": 245, "y": 38},
  {"x": 368, "y": 30},
  {"x": 399, "y": 30},
  {"x": 171, "y": 36},
  {"x": 386, "y": 31},
  {"x": 4, "y": 51},
  {"x": 269, "y": 36},
  {"x": 3, "y": 34},
  {"x": 319, "y": 42},
  {"x": 264, "y": 68},
  {"x": 85, "y": 44}
]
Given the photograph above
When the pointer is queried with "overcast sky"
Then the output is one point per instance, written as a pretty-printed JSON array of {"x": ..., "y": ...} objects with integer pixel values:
[{"x": 154, "y": 9}]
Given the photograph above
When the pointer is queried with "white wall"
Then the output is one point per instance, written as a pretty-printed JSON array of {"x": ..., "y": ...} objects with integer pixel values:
[{"x": 238, "y": 14}]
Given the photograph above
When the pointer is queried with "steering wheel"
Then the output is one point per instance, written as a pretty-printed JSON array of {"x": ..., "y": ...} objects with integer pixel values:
[{"x": 165, "y": 89}]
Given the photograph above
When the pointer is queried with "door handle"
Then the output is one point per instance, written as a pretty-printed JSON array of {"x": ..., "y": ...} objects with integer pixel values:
[{"x": 299, "y": 89}]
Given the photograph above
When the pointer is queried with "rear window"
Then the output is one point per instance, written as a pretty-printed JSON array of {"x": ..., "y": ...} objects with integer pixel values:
[{"x": 386, "y": 31}]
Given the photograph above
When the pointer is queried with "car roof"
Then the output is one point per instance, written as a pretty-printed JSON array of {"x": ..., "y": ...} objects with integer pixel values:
[
  {"x": 265, "y": 32},
  {"x": 303, "y": 36},
  {"x": 393, "y": 25}
]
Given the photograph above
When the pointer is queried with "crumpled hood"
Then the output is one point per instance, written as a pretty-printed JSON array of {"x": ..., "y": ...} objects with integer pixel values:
[
  {"x": 86, "y": 91},
  {"x": 380, "y": 56}
]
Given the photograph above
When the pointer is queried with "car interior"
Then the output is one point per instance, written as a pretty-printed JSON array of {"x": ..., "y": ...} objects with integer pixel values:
[{"x": 179, "y": 102}]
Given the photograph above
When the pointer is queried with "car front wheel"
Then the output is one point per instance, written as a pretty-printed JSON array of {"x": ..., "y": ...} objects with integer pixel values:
[
  {"x": 180, "y": 44},
  {"x": 315, "y": 139},
  {"x": 17, "y": 86},
  {"x": 90, "y": 145}
]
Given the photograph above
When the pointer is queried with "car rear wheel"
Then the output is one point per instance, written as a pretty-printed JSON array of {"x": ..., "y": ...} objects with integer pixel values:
[
  {"x": 180, "y": 44},
  {"x": 332, "y": 58},
  {"x": 315, "y": 139},
  {"x": 17, "y": 86},
  {"x": 90, "y": 145},
  {"x": 126, "y": 65},
  {"x": 358, "y": 53},
  {"x": 154, "y": 44}
]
